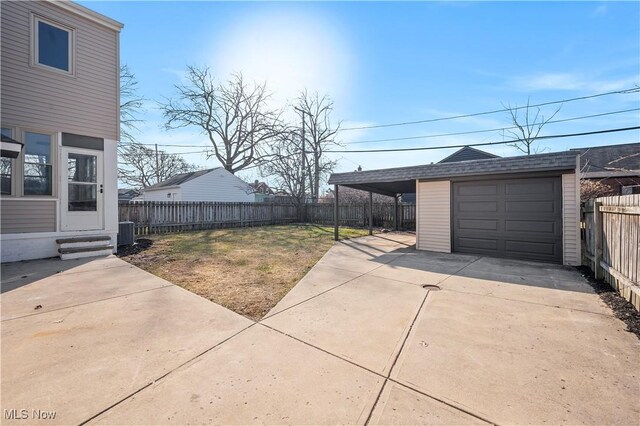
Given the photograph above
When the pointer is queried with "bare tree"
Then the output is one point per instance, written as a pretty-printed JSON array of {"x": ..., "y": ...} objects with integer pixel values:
[
  {"x": 233, "y": 115},
  {"x": 350, "y": 195},
  {"x": 527, "y": 127},
  {"x": 138, "y": 167},
  {"x": 285, "y": 165},
  {"x": 130, "y": 104},
  {"x": 319, "y": 136}
]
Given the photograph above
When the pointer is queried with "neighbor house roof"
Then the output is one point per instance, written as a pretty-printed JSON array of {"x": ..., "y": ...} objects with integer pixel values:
[
  {"x": 467, "y": 153},
  {"x": 178, "y": 180},
  {"x": 609, "y": 161},
  {"x": 402, "y": 179}
]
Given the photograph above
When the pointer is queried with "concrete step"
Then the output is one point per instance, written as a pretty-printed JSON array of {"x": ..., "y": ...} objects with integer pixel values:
[
  {"x": 88, "y": 239},
  {"x": 81, "y": 252}
]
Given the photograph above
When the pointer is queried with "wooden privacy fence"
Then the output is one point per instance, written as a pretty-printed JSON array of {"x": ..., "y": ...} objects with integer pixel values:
[
  {"x": 357, "y": 215},
  {"x": 611, "y": 242},
  {"x": 154, "y": 217}
]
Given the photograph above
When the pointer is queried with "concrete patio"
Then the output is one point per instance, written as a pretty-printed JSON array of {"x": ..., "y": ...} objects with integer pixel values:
[{"x": 358, "y": 340}]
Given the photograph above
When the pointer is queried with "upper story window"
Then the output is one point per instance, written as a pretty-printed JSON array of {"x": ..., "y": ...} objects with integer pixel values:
[
  {"x": 37, "y": 164},
  {"x": 53, "y": 45}
]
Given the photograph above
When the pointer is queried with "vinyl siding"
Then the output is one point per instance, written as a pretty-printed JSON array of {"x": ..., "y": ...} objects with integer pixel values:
[
  {"x": 21, "y": 216},
  {"x": 571, "y": 219},
  {"x": 433, "y": 228},
  {"x": 218, "y": 185},
  {"x": 85, "y": 103},
  {"x": 161, "y": 194}
]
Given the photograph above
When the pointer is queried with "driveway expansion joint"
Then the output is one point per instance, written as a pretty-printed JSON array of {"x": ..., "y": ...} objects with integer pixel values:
[
  {"x": 89, "y": 302},
  {"x": 163, "y": 376}
]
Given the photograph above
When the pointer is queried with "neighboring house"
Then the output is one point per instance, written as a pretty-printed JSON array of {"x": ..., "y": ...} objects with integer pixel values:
[
  {"x": 465, "y": 153},
  {"x": 525, "y": 207},
  {"x": 127, "y": 194},
  {"x": 204, "y": 185},
  {"x": 615, "y": 167},
  {"x": 60, "y": 105},
  {"x": 262, "y": 191}
]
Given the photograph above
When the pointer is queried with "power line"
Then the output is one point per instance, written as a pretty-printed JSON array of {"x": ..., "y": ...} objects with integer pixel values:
[
  {"x": 564, "y": 120},
  {"x": 489, "y": 130},
  {"x": 454, "y": 117},
  {"x": 595, "y": 132}
]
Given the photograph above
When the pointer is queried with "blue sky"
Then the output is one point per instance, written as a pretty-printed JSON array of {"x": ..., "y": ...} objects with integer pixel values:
[{"x": 394, "y": 62}]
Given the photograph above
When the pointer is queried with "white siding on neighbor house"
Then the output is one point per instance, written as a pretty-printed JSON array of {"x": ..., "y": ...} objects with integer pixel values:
[
  {"x": 32, "y": 97},
  {"x": 571, "y": 219},
  {"x": 217, "y": 185},
  {"x": 433, "y": 215},
  {"x": 163, "y": 194}
]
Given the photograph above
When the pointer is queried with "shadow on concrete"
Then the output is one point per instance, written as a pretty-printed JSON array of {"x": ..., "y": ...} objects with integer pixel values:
[
  {"x": 487, "y": 270},
  {"x": 17, "y": 274}
]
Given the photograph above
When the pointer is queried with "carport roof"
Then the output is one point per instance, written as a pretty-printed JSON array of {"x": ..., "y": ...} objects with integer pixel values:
[{"x": 402, "y": 179}]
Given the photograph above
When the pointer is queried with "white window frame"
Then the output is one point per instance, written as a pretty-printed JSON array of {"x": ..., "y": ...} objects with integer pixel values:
[
  {"x": 54, "y": 163},
  {"x": 14, "y": 164},
  {"x": 35, "y": 19}
]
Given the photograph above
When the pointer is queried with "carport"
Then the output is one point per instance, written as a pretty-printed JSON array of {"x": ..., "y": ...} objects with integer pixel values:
[{"x": 524, "y": 207}]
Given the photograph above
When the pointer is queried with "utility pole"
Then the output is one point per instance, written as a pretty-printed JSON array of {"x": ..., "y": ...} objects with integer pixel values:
[
  {"x": 304, "y": 155},
  {"x": 157, "y": 166}
]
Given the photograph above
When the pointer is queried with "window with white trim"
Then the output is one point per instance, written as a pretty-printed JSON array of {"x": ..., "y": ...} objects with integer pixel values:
[
  {"x": 53, "y": 45},
  {"x": 38, "y": 164},
  {"x": 6, "y": 168}
]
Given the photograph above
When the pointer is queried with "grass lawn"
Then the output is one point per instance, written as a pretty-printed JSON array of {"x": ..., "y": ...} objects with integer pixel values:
[{"x": 247, "y": 270}]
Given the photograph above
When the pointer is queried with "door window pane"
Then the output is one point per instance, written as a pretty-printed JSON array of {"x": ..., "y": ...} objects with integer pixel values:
[
  {"x": 81, "y": 168},
  {"x": 82, "y": 197},
  {"x": 53, "y": 46},
  {"x": 37, "y": 164}
]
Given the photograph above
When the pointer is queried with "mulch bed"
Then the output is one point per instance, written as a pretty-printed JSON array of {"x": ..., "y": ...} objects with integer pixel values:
[
  {"x": 622, "y": 309},
  {"x": 139, "y": 246}
]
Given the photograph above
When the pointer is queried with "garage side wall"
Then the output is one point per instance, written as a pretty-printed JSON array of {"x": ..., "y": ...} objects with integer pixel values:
[
  {"x": 433, "y": 227},
  {"x": 571, "y": 219}
]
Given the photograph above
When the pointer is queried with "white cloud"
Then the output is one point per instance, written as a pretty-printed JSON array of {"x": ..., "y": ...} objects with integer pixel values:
[
  {"x": 570, "y": 81},
  {"x": 600, "y": 10},
  {"x": 289, "y": 50}
]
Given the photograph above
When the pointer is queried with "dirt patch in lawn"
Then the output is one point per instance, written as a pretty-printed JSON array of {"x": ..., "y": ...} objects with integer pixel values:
[
  {"x": 621, "y": 308},
  {"x": 247, "y": 270}
]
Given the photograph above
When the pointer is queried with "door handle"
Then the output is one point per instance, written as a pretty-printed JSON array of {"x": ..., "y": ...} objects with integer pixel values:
[{"x": 101, "y": 190}]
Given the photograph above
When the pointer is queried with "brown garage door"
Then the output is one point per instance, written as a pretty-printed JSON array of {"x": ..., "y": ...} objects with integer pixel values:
[{"x": 516, "y": 218}]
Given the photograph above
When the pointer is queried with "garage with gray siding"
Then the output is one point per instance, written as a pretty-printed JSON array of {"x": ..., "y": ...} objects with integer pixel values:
[{"x": 524, "y": 207}]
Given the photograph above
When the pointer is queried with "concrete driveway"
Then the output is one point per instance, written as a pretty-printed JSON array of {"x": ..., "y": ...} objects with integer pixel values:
[{"x": 358, "y": 340}]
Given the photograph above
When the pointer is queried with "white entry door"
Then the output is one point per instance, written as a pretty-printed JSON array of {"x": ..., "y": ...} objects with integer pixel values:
[{"x": 81, "y": 190}]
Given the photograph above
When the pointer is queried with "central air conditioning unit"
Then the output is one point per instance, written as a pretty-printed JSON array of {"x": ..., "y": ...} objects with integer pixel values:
[{"x": 126, "y": 233}]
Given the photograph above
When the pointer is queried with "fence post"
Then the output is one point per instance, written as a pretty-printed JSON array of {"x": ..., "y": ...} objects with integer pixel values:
[
  {"x": 597, "y": 233},
  {"x": 241, "y": 219}
]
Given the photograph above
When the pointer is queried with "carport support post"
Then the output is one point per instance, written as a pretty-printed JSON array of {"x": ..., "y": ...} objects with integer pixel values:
[
  {"x": 336, "y": 220},
  {"x": 370, "y": 213},
  {"x": 395, "y": 212}
]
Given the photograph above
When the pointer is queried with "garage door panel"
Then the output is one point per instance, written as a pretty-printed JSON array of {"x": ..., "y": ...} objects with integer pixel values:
[
  {"x": 528, "y": 189},
  {"x": 489, "y": 189},
  {"x": 522, "y": 218},
  {"x": 531, "y": 207},
  {"x": 474, "y": 224},
  {"x": 478, "y": 243},
  {"x": 545, "y": 227},
  {"x": 530, "y": 247},
  {"x": 478, "y": 206}
]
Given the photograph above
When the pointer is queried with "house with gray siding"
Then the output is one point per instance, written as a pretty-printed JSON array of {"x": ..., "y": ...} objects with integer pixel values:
[
  {"x": 216, "y": 184},
  {"x": 60, "y": 130}
]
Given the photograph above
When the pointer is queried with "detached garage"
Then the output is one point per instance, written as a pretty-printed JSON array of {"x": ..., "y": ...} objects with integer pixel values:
[{"x": 523, "y": 207}]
